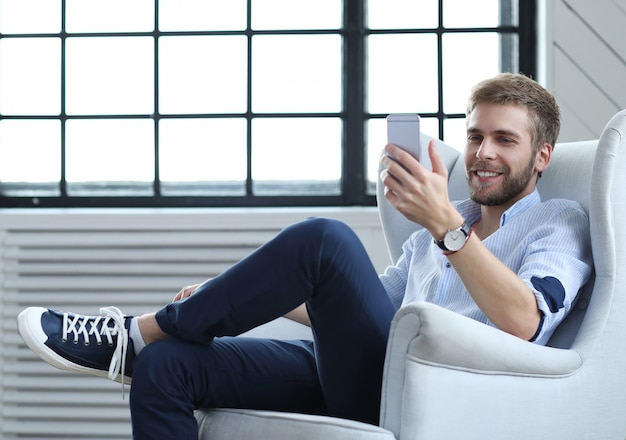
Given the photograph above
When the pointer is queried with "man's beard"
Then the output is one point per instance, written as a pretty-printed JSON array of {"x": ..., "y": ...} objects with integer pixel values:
[{"x": 512, "y": 186}]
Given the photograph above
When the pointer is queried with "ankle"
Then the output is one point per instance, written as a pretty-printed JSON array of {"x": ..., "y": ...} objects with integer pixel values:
[{"x": 150, "y": 329}]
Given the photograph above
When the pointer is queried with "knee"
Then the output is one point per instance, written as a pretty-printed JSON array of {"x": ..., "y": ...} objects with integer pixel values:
[
  {"x": 325, "y": 228},
  {"x": 157, "y": 363},
  {"x": 323, "y": 237}
]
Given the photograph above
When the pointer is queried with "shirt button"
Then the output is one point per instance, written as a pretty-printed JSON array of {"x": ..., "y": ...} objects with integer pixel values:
[{"x": 448, "y": 265}]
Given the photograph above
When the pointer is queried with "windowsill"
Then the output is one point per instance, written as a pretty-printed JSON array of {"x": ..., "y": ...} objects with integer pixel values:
[{"x": 86, "y": 218}]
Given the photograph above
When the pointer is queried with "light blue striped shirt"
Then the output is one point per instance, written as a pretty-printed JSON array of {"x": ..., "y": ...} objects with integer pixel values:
[{"x": 547, "y": 244}]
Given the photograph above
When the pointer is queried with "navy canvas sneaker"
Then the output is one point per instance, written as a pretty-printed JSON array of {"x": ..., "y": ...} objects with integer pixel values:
[{"x": 95, "y": 345}]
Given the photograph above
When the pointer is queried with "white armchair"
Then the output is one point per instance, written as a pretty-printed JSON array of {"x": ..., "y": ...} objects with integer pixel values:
[{"x": 448, "y": 377}]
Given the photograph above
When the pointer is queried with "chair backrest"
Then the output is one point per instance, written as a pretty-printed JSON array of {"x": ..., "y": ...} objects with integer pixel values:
[
  {"x": 569, "y": 176},
  {"x": 581, "y": 171}
]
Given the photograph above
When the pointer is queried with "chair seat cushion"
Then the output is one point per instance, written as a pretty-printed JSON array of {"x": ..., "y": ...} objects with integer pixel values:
[{"x": 229, "y": 424}]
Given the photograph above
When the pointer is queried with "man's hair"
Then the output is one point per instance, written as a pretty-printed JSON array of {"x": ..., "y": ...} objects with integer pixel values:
[{"x": 517, "y": 89}]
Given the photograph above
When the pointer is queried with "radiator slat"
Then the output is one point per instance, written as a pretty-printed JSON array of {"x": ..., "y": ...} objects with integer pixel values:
[
  {"x": 42, "y": 240},
  {"x": 191, "y": 254},
  {"x": 115, "y": 269},
  {"x": 64, "y": 429},
  {"x": 101, "y": 283}
]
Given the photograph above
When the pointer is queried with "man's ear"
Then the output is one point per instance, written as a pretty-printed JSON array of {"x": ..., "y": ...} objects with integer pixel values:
[{"x": 543, "y": 156}]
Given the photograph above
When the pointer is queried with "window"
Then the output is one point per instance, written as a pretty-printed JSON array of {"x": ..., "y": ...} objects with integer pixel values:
[{"x": 238, "y": 103}]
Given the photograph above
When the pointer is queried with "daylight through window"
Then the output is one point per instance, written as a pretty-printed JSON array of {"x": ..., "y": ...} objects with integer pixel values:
[{"x": 237, "y": 103}]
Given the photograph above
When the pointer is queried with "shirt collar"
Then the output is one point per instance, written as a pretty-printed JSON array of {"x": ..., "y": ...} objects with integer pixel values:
[{"x": 470, "y": 210}]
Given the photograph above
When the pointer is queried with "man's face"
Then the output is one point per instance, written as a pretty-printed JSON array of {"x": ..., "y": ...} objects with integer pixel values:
[{"x": 501, "y": 166}]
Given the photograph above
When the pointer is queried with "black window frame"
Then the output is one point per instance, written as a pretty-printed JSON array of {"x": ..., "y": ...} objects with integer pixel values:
[{"x": 354, "y": 185}]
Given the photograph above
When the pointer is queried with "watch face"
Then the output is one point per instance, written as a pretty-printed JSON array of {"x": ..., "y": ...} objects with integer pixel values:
[{"x": 454, "y": 240}]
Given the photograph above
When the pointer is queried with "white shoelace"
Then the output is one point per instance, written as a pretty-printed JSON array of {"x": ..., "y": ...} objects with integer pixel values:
[{"x": 99, "y": 326}]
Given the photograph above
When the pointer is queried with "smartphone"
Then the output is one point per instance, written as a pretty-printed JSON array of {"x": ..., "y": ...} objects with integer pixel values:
[{"x": 403, "y": 130}]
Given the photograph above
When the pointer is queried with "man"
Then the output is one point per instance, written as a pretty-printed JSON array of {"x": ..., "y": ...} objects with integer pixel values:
[{"x": 503, "y": 258}]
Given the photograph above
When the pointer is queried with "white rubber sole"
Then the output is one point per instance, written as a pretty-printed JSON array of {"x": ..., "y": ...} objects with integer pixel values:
[{"x": 34, "y": 337}]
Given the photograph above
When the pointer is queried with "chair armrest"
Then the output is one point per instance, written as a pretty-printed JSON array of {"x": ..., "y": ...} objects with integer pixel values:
[
  {"x": 439, "y": 336},
  {"x": 426, "y": 334}
]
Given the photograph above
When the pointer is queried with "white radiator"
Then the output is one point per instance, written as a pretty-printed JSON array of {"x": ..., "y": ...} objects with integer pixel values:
[{"x": 134, "y": 259}]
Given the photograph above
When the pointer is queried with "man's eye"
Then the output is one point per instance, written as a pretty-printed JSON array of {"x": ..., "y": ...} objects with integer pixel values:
[{"x": 474, "y": 139}]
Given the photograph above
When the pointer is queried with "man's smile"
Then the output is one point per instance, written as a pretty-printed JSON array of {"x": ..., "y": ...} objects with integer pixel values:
[{"x": 486, "y": 174}]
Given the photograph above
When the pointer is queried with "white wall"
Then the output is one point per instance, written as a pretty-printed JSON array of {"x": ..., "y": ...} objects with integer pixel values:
[{"x": 582, "y": 60}]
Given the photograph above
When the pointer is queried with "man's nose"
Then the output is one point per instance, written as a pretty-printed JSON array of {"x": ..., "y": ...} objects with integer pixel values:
[{"x": 485, "y": 150}]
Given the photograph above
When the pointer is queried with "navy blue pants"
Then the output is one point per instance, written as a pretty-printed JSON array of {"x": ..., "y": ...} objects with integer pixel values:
[{"x": 319, "y": 262}]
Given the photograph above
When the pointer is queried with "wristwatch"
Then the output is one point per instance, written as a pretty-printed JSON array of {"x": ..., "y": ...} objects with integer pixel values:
[{"x": 455, "y": 239}]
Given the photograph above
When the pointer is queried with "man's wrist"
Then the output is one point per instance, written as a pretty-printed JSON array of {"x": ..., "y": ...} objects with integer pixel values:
[
  {"x": 454, "y": 239},
  {"x": 441, "y": 229}
]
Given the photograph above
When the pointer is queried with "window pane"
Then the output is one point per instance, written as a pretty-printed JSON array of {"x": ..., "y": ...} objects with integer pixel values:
[
  {"x": 459, "y": 53},
  {"x": 30, "y": 151},
  {"x": 203, "y": 74},
  {"x": 455, "y": 133},
  {"x": 112, "y": 151},
  {"x": 475, "y": 13},
  {"x": 30, "y": 16},
  {"x": 402, "y": 73},
  {"x": 509, "y": 52},
  {"x": 111, "y": 75},
  {"x": 196, "y": 15},
  {"x": 296, "y": 73},
  {"x": 290, "y": 14},
  {"x": 109, "y": 15},
  {"x": 296, "y": 156},
  {"x": 209, "y": 153},
  {"x": 30, "y": 76},
  {"x": 402, "y": 14},
  {"x": 376, "y": 140}
]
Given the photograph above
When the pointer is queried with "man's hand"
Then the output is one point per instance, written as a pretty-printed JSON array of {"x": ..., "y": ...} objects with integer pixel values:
[
  {"x": 186, "y": 292},
  {"x": 419, "y": 194}
]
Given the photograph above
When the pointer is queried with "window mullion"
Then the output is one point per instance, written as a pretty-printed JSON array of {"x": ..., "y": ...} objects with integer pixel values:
[
  {"x": 157, "y": 115},
  {"x": 249, "y": 184},
  {"x": 528, "y": 37},
  {"x": 353, "y": 158},
  {"x": 63, "y": 115}
]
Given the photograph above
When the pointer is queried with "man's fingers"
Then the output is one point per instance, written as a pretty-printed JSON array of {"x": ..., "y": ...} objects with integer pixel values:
[
  {"x": 185, "y": 292},
  {"x": 438, "y": 166}
]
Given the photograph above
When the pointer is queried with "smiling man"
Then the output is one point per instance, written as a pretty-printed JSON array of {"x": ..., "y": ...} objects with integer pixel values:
[{"x": 502, "y": 257}]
